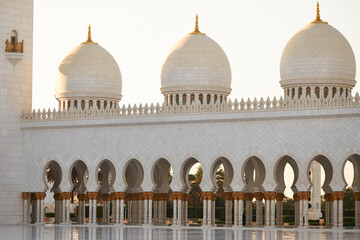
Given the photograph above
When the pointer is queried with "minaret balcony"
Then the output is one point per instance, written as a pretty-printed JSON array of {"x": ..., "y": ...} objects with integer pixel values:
[
  {"x": 14, "y": 51},
  {"x": 14, "y": 47}
]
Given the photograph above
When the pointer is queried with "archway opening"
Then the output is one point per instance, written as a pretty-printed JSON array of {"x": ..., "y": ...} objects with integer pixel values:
[
  {"x": 253, "y": 176},
  {"x": 79, "y": 178},
  {"x": 351, "y": 175},
  {"x": 286, "y": 173},
  {"x": 79, "y": 174},
  {"x": 191, "y": 176},
  {"x": 106, "y": 175},
  {"x": 134, "y": 175},
  {"x": 162, "y": 176},
  {"x": 320, "y": 172},
  {"x": 52, "y": 179},
  {"x": 222, "y": 174}
]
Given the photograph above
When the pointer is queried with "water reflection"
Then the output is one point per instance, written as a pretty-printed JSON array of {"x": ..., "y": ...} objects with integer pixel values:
[{"x": 70, "y": 232}]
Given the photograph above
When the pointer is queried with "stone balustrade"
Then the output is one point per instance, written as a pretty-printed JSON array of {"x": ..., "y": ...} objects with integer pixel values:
[{"x": 225, "y": 107}]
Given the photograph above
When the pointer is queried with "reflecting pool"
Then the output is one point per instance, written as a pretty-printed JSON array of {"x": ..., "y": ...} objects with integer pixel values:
[{"x": 69, "y": 232}]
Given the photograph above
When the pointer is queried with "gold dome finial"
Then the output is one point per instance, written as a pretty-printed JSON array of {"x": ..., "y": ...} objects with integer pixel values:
[
  {"x": 89, "y": 41},
  {"x": 318, "y": 19},
  {"x": 196, "y": 31}
]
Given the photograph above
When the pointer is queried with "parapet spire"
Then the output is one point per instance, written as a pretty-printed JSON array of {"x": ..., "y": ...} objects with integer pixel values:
[
  {"x": 89, "y": 41},
  {"x": 318, "y": 19},
  {"x": 196, "y": 31}
]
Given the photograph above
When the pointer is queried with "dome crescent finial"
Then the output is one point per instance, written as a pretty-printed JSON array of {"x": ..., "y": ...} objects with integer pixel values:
[
  {"x": 89, "y": 41},
  {"x": 318, "y": 19},
  {"x": 196, "y": 31},
  {"x": 89, "y": 34}
]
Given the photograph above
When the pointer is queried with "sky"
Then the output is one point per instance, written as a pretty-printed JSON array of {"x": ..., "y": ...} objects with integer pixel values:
[{"x": 140, "y": 33}]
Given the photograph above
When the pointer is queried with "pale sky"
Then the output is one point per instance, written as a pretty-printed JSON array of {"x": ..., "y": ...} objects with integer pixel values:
[{"x": 140, "y": 33}]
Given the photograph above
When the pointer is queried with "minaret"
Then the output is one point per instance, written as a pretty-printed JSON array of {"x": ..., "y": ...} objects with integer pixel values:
[{"x": 16, "y": 57}]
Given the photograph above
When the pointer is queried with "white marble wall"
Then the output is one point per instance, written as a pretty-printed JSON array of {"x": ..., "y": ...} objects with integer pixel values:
[
  {"x": 15, "y": 91},
  {"x": 301, "y": 134}
]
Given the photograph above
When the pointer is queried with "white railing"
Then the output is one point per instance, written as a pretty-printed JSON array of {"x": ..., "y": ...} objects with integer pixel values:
[{"x": 225, "y": 107}]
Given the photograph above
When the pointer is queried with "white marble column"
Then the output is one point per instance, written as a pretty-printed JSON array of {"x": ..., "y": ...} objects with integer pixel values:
[
  {"x": 301, "y": 222},
  {"x": 121, "y": 211},
  {"x": 306, "y": 212},
  {"x": 228, "y": 196},
  {"x": 156, "y": 209},
  {"x": 174, "y": 209},
  {"x": 335, "y": 210},
  {"x": 58, "y": 207},
  {"x": 228, "y": 213},
  {"x": 248, "y": 198},
  {"x": 209, "y": 211},
  {"x": 267, "y": 213},
  {"x": 67, "y": 205},
  {"x": 279, "y": 209},
  {"x": 297, "y": 217},
  {"x": 129, "y": 209},
  {"x": 26, "y": 212},
  {"x": 259, "y": 208},
  {"x": 341, "y": 195},
  {"x": 150, "y": 220},
  {"x": 241, "y": 212},
  {"x": 63, "y": 209},
  {"x": 341, "y": 213},
  {"x": 81, "y": 208},
  {"x": 67, "y": 219},
  {"x": 146, "y": 211},
  {"x": 213, "y": 211},
  {"x": 179, "y": 210},
  {"x": 37, "y": 214},
  {"x": 328, "y": 204},
  {"x": 272, "y": 212},
  {"x": 236, "y": 212},
  {"x": 115, "y": 211},
  {"x": 94, "y": 205},
  {"x": 42, "y": 210},
  {"x": 204, "y": 210},
  {"x": 106, "y": 208},
  {"x": 267, "y": 196},
  {"x": 335, "y": 214},
  {"x": 141, "y": 210},
  {"x": 90, "y": 210}
]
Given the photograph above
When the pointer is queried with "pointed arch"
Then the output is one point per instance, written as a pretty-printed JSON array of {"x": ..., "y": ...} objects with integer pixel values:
[
  {"x": 253, "y": 174},
  {"x": 52, "y": 174},
  {"x": 133, "y": 176},
  {"x": 160, "y": 175},
  {"x": 228, "y": 173},
  {"x": 279, "y": 169}
]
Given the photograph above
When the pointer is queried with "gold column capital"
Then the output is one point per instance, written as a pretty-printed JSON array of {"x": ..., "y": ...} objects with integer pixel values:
[
  {"x": 249, "y": 196},
  {"x": 279, "y": 197},
  {"x": 25, "y": 195},
  {"x": 259, "y": 196}
]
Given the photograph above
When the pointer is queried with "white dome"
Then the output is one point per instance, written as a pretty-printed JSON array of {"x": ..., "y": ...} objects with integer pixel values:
[
  {"x": 196, "y": 63},
  {"x": 318, "y": 54},
  {"x": 88, "y": 72}
]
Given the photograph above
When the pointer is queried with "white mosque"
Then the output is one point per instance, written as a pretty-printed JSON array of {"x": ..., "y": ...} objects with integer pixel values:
[{"x": 105, "y": 152}]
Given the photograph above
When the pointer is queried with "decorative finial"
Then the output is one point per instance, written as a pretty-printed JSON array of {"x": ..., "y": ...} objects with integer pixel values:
[
  {"x": 318, "y": 19},
  {"x": 89, "y": 41},
  {"x": 196, "y": 31},
  {"x": 89, "y": 34}
]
